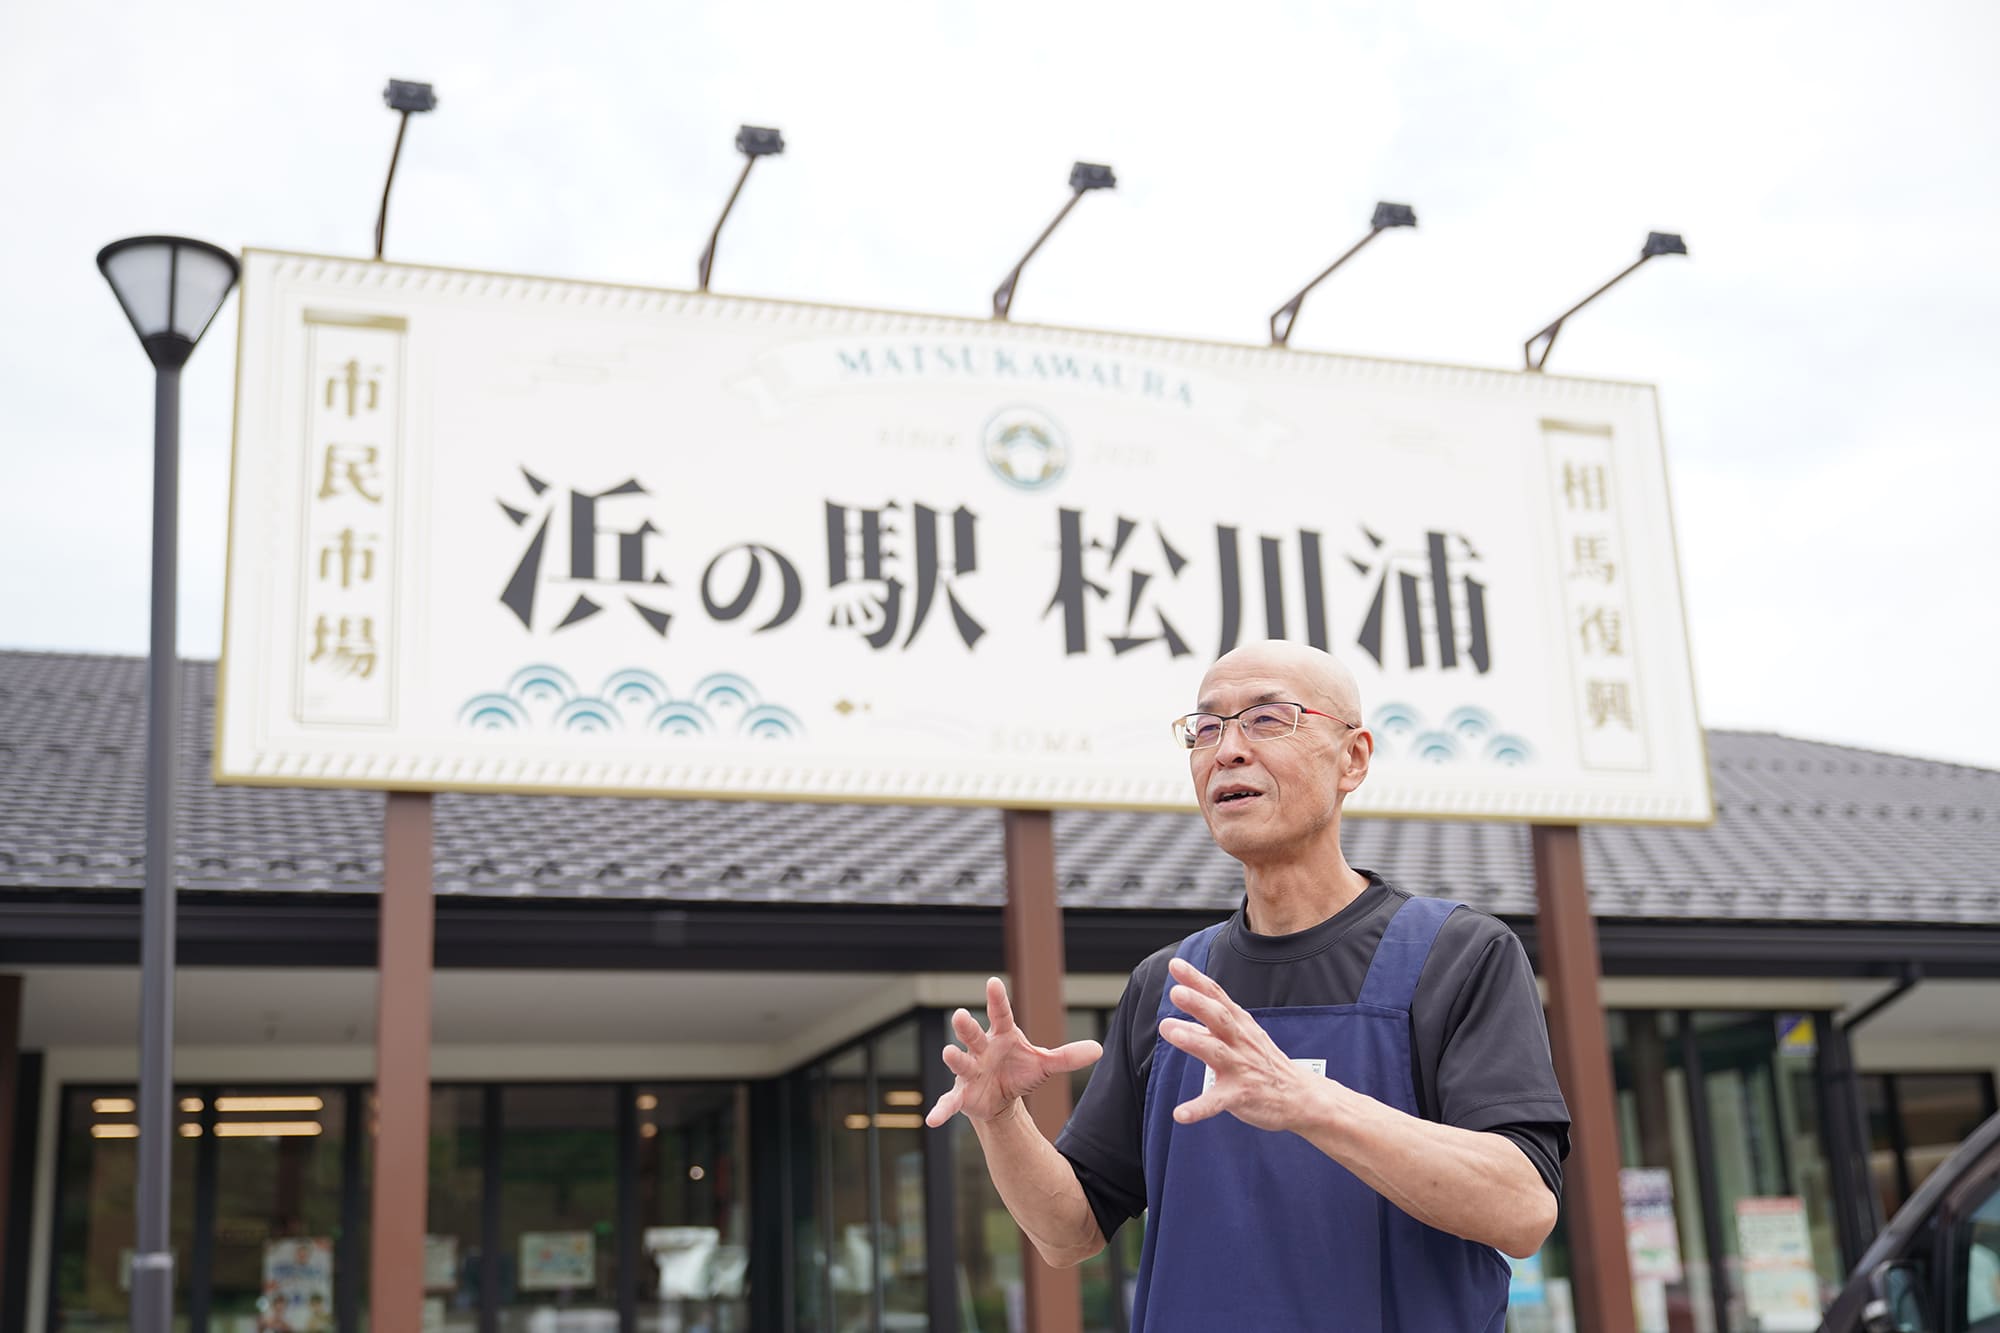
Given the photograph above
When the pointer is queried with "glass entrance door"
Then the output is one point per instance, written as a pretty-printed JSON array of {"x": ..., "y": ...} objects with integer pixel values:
[
  {"x": 558, "y": 1208},
  {"x": 1660, "y": 1180},
  {"x": 1772, "y": 1188},
  {"x": 1725, "y": 1184},
  {"x": 278, "y": 1164},
  {"x": 693, "y": 1207}
]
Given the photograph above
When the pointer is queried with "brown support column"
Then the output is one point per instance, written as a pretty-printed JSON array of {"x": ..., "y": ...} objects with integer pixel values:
[
  {"x": 1033, "y": 926},
  {"x": 402, "y": 1068},
  {"x": 10, "y": 1093},
  {"x": 1601, "y": 1275}
]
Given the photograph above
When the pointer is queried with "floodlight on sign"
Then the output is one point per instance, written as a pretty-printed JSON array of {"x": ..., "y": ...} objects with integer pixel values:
[
  {"x": 1091, "y": 176},
  {"x": 1393, "y": 215},
  {"x": 753, "y": 141},
  {"x": 408, "y": 97},
  {"x": 1657, "y": 243},
  {"x": 1083, "y": 178},
  {"x": 759, "y": 141},
  {"x": 1387, "y": 215}
]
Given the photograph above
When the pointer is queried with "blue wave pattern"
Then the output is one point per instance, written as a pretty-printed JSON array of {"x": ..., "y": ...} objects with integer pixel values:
[
  {"x": 1466, "y": 735},
  {"x": 632, "y": 700}
]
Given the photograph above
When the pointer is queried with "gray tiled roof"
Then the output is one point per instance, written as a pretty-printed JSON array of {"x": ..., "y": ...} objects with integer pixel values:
[{"x": 1804, "y": 831}]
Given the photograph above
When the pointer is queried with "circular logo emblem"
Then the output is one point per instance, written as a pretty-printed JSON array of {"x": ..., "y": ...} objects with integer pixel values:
[{"x": 1026, "y": 448}]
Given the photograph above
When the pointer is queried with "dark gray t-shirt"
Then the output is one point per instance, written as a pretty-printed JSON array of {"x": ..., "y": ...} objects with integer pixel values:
[{"x": 1478, "y": 1044}]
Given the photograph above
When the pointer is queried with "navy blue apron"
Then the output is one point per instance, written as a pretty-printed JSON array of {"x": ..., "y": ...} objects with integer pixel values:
[{"x": 1249, "y": 1229}]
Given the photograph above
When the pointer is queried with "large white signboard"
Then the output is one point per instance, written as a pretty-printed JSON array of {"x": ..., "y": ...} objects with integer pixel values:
[{"x": 506, "y": 533}]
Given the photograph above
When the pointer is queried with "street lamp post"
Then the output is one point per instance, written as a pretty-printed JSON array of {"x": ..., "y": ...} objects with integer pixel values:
[{"x": 170, "y": 288}]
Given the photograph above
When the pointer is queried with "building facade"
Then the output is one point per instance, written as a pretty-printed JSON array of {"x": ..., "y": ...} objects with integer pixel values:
[{"x": 680, "y": 1051}]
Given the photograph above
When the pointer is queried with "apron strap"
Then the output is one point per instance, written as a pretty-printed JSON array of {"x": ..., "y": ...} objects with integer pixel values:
[
  {"x": 1195, "y": 949},
  {"x": 1399, "y": 958}
]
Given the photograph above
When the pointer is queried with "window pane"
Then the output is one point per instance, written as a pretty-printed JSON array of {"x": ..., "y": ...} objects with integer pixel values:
[
  {"x": 1097, "y": 1275},
  {"x": 278, "y": 1156},
  {"x": 558, "y": 1204},
  {"x": 456, "y": 1201},
  {"x": 990, "y": 1283},
  {"x": 1094, "y": 1274},
  {"x": 1130, "y": 1243},
  {"x": 1939, "y": 1110},
  {"x": 1538, "y": 1293},
  {"x": 989, "y": 1244},
  {"x": 1812, "y": 1179},
  {"x": 1883, "y": 1163},
  {"x": 1663, "y": 1140},
  {"x": 810, "y": 1205},
  {"x": 1701, "y": 1277},
  {"x": 1082, "y": 1025},
  {"x": 851, "y": 1261},
  {"x": 1659, "y": 1184},
  {"x": 96, "y": 1226},
  {"x": 694, "y": 1205},
  {"x": 900, "y": 1142},
  {"x": 1783, "y": 1262}
]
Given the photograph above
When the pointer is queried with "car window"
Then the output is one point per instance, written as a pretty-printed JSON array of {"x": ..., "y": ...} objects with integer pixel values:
[{"x": 1978, "y": 1243}]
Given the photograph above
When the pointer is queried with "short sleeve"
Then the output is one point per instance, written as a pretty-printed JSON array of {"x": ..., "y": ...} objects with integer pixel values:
[
  {"x": 1102, "y": 1138},
  {"x": 1481, "y": 1037}
]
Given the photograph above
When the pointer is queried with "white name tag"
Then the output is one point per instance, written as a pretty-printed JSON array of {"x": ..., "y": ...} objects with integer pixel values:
[{"x": 1317, "y": 1068}]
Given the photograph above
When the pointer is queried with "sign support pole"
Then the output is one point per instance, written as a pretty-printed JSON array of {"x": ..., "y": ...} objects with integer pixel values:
[
  {"x": 1567, "y": 937},
  {"x": 1032, "y": 923},
  {"x": 402, "y": 1066}
]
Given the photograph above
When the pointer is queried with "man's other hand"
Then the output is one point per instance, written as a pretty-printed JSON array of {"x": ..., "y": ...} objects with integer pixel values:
[
  {"x": 1254, "y": 1080},
  {"x": 998, "y": 1065}
]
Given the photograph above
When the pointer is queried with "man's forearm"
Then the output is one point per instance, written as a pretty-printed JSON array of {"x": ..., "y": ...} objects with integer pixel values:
[
  {"x": 1039, "y": 1187},
  {"x": 1479, "y": 1186}
]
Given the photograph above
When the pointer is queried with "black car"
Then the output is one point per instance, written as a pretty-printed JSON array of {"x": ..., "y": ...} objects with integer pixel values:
[{"x": 1936, "y": 1267}]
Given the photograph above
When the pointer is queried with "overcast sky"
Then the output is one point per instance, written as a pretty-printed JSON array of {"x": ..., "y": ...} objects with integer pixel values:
[{"x": 1826, "y": 359}]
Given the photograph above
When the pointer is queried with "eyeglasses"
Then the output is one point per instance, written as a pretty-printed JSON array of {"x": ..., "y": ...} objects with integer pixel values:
[{"x": 1259, "y": 722}]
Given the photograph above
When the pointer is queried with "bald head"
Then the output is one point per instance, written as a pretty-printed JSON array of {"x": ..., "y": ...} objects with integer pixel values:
[{"x": 1319, "y": 678}]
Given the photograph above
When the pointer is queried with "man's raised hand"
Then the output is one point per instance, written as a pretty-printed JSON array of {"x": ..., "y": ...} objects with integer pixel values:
[
  {"x": 1254, "y": 1080},
  {"x": 999, "y": 1065}
]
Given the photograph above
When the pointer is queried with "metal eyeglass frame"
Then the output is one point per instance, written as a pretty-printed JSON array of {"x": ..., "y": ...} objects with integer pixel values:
[{"x": 1185, "y": 733}]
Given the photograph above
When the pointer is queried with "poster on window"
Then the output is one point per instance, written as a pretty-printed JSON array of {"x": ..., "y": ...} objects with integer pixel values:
[
  {"x": 558, "y": 1260},
  {"x": 1652, "y": 1237},
  {"x": 298, "y": 1286},
  {"x": 517, "y": 534},
  {"x": 1780, "y": 1285},
  {"x": 440, "y": 1263}
]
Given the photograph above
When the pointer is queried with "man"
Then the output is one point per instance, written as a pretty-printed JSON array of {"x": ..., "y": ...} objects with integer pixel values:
[{"x": 1338, "y": 1104}]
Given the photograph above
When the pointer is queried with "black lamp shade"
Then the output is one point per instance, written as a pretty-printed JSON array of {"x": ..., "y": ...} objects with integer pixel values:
[
  {"x": 170, "y": 288},
  {"x": 1662, "y": 243}
]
